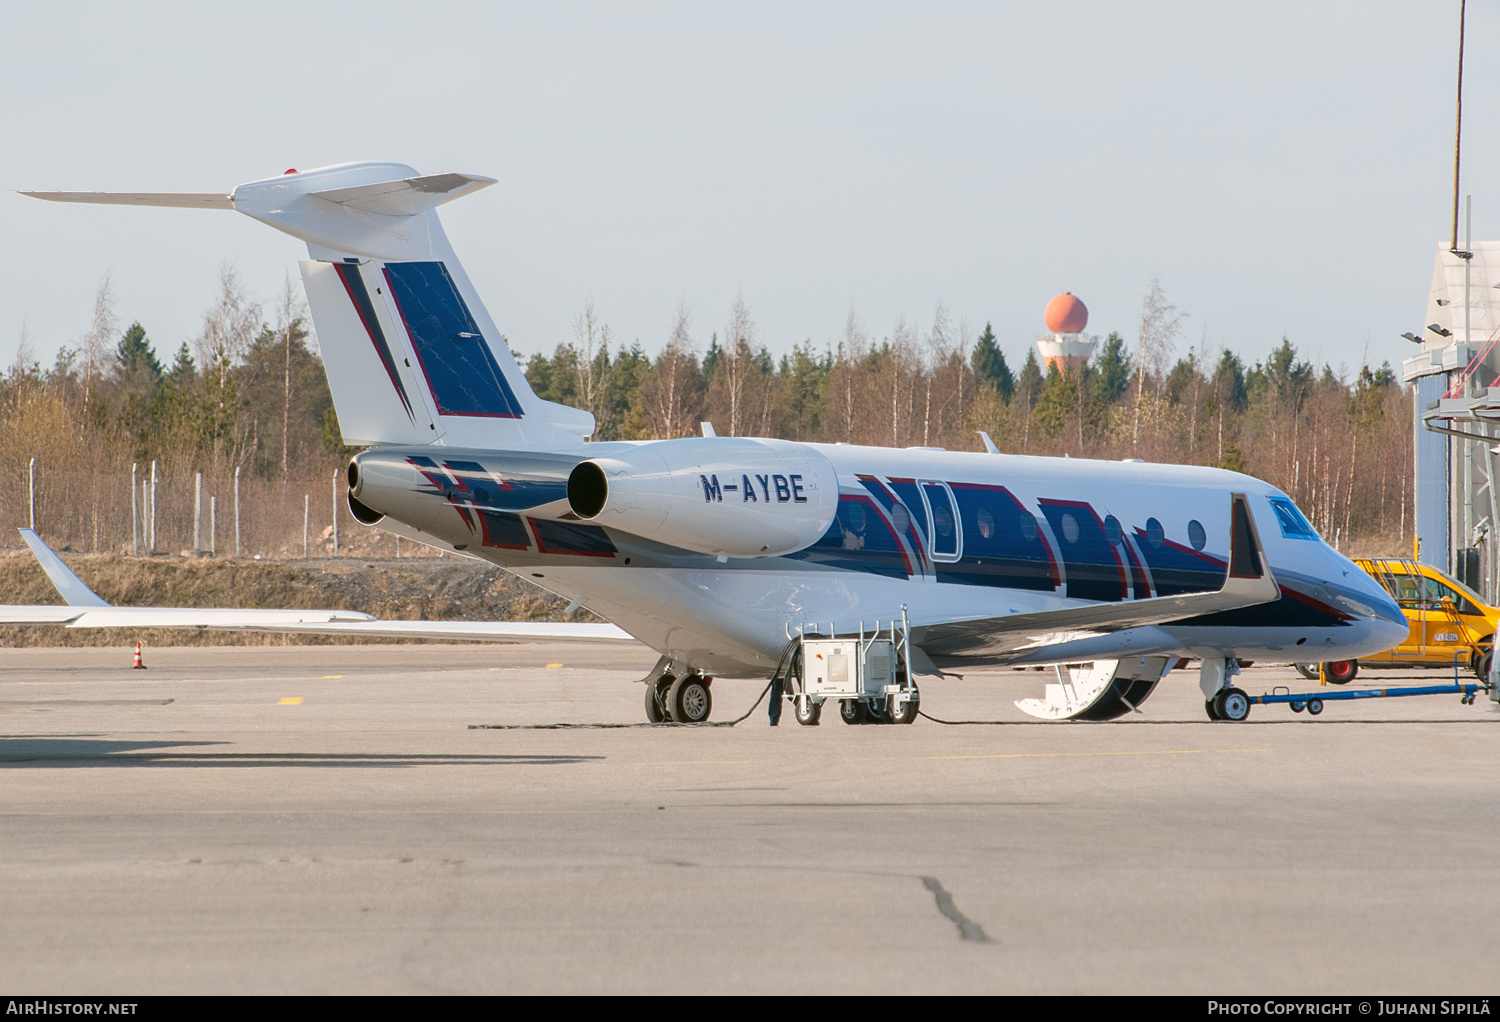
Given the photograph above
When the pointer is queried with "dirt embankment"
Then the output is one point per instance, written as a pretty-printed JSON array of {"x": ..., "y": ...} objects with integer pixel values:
[{"x": 427, "y": 588}]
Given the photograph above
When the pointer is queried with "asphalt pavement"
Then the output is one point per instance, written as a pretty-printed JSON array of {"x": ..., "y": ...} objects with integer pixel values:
[{"x": 331, "y": 820}]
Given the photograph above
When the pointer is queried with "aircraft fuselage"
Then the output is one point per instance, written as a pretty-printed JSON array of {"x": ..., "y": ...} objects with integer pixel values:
[{"x": 948, "y": 535}]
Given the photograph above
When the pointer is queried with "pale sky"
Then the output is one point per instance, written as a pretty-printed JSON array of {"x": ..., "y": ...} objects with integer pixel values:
[{"x": 1284, "y": 168}]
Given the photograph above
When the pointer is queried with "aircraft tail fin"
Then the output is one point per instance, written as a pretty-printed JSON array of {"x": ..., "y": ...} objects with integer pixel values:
[
  {"x": 69, "y": 586},
  {"x": 411, "y": 353}
]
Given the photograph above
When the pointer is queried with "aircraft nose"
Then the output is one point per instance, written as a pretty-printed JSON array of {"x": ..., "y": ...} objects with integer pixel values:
[{"x": 1388, "y": 620}]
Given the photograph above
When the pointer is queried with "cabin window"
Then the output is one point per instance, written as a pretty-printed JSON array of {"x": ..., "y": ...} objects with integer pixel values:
[
  {"x": 1155, "y": 534},
  {"x": 1112, "y": 532},
  {"x": 854, "y": 515},
  {"x": 986, "y": 523},
  {"x": 1070, "y": 527},
  {"x": 1028, "y": 527},
  {"x": 900, "y": 518},
  {"x": 1196, "y": 535}
]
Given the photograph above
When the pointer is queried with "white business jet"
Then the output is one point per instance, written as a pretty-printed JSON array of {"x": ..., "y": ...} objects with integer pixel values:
[{"x": 719, "y": 551}]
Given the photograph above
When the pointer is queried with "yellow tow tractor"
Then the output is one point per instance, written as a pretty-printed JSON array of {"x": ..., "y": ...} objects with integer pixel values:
[{"x": 1447, "y": 620}]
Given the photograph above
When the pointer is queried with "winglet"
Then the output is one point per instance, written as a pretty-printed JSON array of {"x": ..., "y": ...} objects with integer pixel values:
[{"x": 69, "y": 586}]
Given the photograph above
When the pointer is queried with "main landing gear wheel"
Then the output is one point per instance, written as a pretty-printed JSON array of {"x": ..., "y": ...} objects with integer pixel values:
[
  {"x": 656, "y": 700},
  {"x": 807, "y": 712},
  {"x": 852, "y": 711},
  {"x": 1208, "y": 708},
  {"x": 689, "y": 700},
  {"x": 1231, "y": 704}
]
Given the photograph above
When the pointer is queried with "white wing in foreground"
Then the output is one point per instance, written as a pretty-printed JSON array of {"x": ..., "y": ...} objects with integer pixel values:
[
  {"x": 471, "y": 631},
  {"x": 87, "y": 609},
  {"x": 21, "y": 614}
]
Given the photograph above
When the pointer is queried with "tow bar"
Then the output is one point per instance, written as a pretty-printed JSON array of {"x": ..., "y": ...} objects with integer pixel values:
[{"x": 1313, "y": 702}]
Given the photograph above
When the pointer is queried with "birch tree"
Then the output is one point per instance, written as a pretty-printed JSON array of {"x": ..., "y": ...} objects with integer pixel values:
[{"x": 1160, "y": 325}]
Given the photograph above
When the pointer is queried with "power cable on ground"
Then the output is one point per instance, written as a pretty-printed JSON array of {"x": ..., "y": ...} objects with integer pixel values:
[{"x": 589, "y": 727}]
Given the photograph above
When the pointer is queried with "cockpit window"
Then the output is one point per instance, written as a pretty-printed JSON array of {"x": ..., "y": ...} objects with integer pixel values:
[{"x": 1293, "y": 525}]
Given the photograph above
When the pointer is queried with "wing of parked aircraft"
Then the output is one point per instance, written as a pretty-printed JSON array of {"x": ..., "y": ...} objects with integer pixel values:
[{"x": 87, "y": 609}]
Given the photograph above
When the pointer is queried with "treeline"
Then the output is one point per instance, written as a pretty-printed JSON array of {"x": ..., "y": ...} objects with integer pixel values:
[
  {"x": 1338, "y": 442},
  {"x": 248, "y": 393}
]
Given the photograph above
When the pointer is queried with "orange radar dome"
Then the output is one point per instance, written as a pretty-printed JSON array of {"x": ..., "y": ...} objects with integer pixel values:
[{"x": 1066, "y": 314}]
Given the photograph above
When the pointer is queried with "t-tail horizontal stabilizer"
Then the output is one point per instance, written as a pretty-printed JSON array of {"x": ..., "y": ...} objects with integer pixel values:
[{"x": 411, "y": 353}]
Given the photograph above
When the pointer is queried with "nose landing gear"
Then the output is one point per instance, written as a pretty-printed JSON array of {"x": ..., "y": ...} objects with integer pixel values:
[
  {"x": 1230, "y": 704},
  {"x": 1222, "y": 701}
]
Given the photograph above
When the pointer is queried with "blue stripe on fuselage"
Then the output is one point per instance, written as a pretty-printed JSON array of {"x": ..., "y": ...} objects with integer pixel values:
[
  {"x": 1176, "y": 569},
  {"x": 1095, "y": 571},
  {"x": 860, "y": 539},
  {"x": 996, "y": 550}
]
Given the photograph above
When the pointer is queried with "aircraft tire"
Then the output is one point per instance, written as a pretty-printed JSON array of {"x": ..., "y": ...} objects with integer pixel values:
[
  {"x": 656, "y": 699},
  {"x": 1308, "y": 671},
  {"x": 690, "y": 700},
  {"x": 1208, "y": 708},
  {"x": 1341, "y": 672},
  {"x": 1232, "y": 704},
  {"x": 811, "y": 715}
]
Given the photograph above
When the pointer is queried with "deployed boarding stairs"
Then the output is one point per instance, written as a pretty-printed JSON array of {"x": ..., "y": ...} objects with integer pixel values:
[{"x": 1102, "y": 690}]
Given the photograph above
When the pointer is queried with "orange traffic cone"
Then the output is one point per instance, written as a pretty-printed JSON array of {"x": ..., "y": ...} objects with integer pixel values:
[{"x": 138, "y": 666}]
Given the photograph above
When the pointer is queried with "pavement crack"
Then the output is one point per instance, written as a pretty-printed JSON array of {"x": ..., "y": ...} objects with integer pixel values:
[{"x": 968, "y": 929}]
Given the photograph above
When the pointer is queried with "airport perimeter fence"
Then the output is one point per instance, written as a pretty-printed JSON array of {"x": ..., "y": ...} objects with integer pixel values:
[{"x": 115, "y": 513}]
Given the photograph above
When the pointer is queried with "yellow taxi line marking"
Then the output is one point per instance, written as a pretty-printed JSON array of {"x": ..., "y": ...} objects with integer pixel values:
[
  {"x": 290, "y": 701},
  {"x": 910, "y": 759},
  {"x": 1008, "y": 810},
  {"x": 553, "y": 667},
  {"x": 195, "y": 681},
  {"x": 330, "y": 677}
]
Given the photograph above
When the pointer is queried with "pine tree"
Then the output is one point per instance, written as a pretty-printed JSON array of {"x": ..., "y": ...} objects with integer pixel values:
[
  {"x": 135, "y": 354},
  {"x": 1029, "y": 386},
  {"x": 183, "y": 369},
  {"x": 1113, "y": 369},
  {"x": 989, "y": 365}
]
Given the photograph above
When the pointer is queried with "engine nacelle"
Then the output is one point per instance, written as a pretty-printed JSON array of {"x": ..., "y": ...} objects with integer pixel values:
[
  {"x": 729, "y": 496},
  {"x": 444, "y": 491}
]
